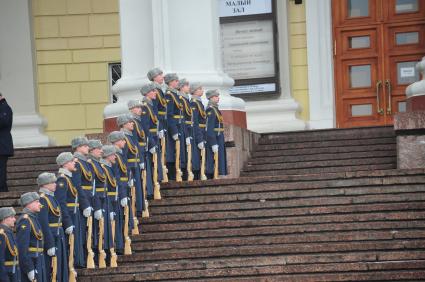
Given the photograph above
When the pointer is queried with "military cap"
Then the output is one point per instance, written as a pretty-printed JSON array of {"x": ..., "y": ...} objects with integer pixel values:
[
  {"x": 170, "y": 77},
  {"x": 133, "y": 104},
  {"x": 115, "y": 136},
  {"x": 212, "y": 93},
  {"x": 183, "y": 82},
  {"x": 46, "y": 178},
  {"x": 28, "y": 198},
  {"x": 6, "y": 212},
  {"x": 108, "y": 150},
  {"x": 95, "y": 144},
  {"x": 79, "y": 141},
  {"x": 147, "y": 88},
  {"x": 194, "y": 86},
  {"x": 64, "y": 157},
  {"x": 153, "y": 73},
  {"x": 124, "y": 118}
]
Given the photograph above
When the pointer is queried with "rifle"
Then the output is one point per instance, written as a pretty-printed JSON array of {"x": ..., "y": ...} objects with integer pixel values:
[
  {"x": 127, "y": 246},
  {"x": 190, "y": 175},
  {"x": 72, "y": 272},
  {"x": 156, "y": 191},
  {"x": 216, "y": 165},
  {"x": 178, "y": 170},
  {"x": 113, "y": 262},
  {"x": 102, "y": 254},
  {"x": 164, "y": 166},
  {"x": 54, "y": 268},
  {"x": 145, "y": 212},
  {"x": 90, "y": 253},
  {"x": 135, "y": 230},
  {"x": 203, "y": 176}
]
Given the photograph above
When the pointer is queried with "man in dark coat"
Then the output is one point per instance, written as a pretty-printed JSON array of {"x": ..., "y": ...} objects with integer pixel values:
[{"x": 6, "y": 143}]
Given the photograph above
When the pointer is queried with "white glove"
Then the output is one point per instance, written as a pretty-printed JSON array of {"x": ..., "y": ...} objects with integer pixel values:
[
  {"x": 188, "y": 141},
  {"x": 141, "y": 166},
  {"x": 201, "y": 145},
  {"x": 111, "y": 216},
  {"x": 31, "y": 275},
  {"x": 51, "y": 252},
  {"x": 87, "y": 211},
  {"x": 214, "y": 148},
  {"x": 131, "y": 182},
  {"x": 175, "y": 136},
  {"x": 98, "y": 214},
  {"x": 152, "y": 150},
  {"x": 69, "y": 230},
  {"x": 161, "y": 134},
  {"x": 124, "y": 202}
]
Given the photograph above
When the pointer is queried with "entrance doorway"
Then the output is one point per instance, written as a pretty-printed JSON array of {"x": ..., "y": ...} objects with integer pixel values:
[{"x": 377, "y": 44}]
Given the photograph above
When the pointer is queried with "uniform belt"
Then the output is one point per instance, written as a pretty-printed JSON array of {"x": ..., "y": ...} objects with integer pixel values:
[
  {"x": 123, "y": 178},
  {"x": 72, "y": 204},
  {"x": 57, "y": 224},
  {"x": 153, "y": 130},
  {"x": 142, "y": 144},
  {"x": 11, "y": 263},
  {"x": 112, "y": 193},
  {"x": 35, "y": 250},
  {"x": 177, "y": 116},
  {"x": 202, "y": 125},
  {"x": 188, "y": 122},
  {"x": 100, "y": 189},
  {"x": 85, "y": 187},
  {"x": 161, "y": 113},
  {"x": 132, "y": 160},
  {"x": 219, "y": 129}
]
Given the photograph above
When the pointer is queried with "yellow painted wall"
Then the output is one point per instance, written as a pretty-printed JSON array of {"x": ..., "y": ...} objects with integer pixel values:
[
  {"x": 298, "y": 57},
  {"x": 74, "y": 41}
]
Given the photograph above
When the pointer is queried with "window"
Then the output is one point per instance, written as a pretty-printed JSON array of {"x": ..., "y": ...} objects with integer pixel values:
[
  {"x": 249, "y": 46},
  {"x": 114, "y": 75}
]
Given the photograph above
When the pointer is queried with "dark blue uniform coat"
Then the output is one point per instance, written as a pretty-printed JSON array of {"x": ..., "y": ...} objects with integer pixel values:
[
  {"x": 9, "y": 264},
  {"x": 199, "y": 132},
  {"x": 215, "y": 136},
  {"x": 175, "y": 126}
]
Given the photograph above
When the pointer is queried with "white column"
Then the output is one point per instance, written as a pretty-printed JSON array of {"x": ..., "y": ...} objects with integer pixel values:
[
  {"x": 320, "y": 64},
  {"x": 189, "y": 30},
  {"x": 17, "y": 73},
  {"x": 277, "y": 114},
  {"x": 136, "y": 53}
]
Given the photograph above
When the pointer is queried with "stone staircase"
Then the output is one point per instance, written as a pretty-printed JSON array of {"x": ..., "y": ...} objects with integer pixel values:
[{"x": 326, "y": 205}]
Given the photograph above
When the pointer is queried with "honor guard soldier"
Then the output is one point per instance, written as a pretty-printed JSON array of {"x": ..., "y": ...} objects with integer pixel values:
[
  {"x": 160, "y": 109},
  {"x": 126, "y": 124},
  {"x": 187, "y": 126},
  {"x": 50, "y": 218},
  {"x": 9, "y": 264},
  {"x": 113, "y": 235},
  {"x": 68, "y": 197},
  {"x": 175, "y": 138},
  {"x": 199, "y": 117},
  {"x": 139, "y": 134},
  {"x": 83, "y": 181},
  {"x": 29, "y": 238},
  {"x": 216, "y": 150},
  {"x": 150, "y": 123},
  {"x": 117, "y": 139}
]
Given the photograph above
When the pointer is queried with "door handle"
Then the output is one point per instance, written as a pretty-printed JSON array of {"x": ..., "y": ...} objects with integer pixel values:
[
  {"x": 389, "y": 107},
  {"x": 378, "y": 100}
]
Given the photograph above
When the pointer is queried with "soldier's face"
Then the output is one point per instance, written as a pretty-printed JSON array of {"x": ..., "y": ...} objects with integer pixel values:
[
  {"x": 34, "y": 206},
  {"x": 198, "y": 93},
  {"x": 215, "y": 99},
  {"x": 151, "y": 95},
  {"x": 159, "y": 78},
  {"x": 112, "y": 158},
  {"x": 97, "y": 152},
  {"x": 129, "y": 126},
  {"x": 9, "y": 221},
  {"x": 84, "y": 149},
  {"x": 70, "y": 165},
  {"x": 51, "y": 187},
  {"x": 120, "y": 144},
  {"x": 137, "y": 111},
  {"x": 185, "y": 88},
  {"x": 173, "y": 84}
]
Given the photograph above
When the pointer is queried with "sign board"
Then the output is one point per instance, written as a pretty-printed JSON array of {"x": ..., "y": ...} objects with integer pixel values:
[
  {"x": 255, "y": 88},
  {"x": 244, "y": 7}
]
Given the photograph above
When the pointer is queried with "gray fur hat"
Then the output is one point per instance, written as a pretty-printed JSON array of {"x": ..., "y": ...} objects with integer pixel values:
[
  {"x": 124, "y": 118},
  {"x": 133, "y": 104},
  {"x": 79, "y": 141},
  {"x": 108, "y": 150},
  {"x": 212, "y": 93},
  {"x": 115, "y": 136},
  {"x": 95, "y": 144},
  {"x": 153, "y": 73},
  {"x": 183, "y": 82},
  {"x": 147, "y": 88},
  {"x": 28, "y": 198},
  {"x": 6, "y": 212},
  {"x": 46, "y": 178},
  {"x": 170, "y": 77},
  {"x": 64, "y": 157},
  {"x": 194, "y": 86}
]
